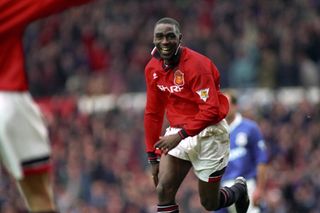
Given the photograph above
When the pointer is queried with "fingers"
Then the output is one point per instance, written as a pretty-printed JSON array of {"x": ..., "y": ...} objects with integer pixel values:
[
  {"x": 165, "y": 144},
  {"x": 161, "y": 146},
  {"x": 164, "y": 150}
]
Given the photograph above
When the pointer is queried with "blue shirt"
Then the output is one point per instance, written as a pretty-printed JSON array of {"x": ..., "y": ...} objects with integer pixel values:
[{"x": 247, "y": 149}]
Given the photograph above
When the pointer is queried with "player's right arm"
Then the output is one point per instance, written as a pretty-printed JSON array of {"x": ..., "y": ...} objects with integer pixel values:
[
  {"x": 261, "y": 158},
  {"x": 153, "y": 115},
  {"x": 153, "y": 119}
]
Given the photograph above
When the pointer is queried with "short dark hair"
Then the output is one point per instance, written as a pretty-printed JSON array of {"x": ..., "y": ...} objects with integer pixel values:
[
  {"x": 168, "y": 20},
  {"x": 232, "y": 94}
]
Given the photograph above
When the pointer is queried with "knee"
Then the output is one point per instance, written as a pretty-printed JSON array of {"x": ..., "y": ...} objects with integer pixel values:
[
  {"x": 165, "y": 192},
  {"x": 209, "y": 204}
]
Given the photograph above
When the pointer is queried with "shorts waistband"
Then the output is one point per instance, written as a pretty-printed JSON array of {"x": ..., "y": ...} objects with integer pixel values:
[{"x": 178, "y": 127}]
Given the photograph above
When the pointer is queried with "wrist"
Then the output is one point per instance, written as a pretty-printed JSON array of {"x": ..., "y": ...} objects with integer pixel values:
[
  {"x": 183, "y": 134},
  {"x": 153, "y": 158}
]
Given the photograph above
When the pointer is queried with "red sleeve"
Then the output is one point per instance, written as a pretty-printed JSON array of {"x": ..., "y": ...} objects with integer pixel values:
[
  {"x": 17, "y": 14},
  {"x": 48, "y": 7},
  {"x": 212, "y": 106},
  {"x": 154, "y": 113}
]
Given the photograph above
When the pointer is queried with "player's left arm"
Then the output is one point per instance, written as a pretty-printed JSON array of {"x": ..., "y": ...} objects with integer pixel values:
[
  {"x": 261, "y": 183},
  {"x": 205, "y": 86}
]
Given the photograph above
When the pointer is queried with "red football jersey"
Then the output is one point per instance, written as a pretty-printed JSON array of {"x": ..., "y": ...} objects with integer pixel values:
[
  {"x": 14, "y": 18},
  {"x": 189, "y": 93}
]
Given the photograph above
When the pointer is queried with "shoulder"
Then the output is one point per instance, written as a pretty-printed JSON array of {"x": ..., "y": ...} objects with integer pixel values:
[
  {"x": 153, "y": 63},
  {"x": 195, "y": 57},
  {"x": 250, "y": 124},
  {"x": 150, "y": 70},
  {"x": 194, "y": 60}
]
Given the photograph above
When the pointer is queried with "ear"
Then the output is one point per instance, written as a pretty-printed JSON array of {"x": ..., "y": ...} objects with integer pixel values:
[{"x": 180, "y": 38}]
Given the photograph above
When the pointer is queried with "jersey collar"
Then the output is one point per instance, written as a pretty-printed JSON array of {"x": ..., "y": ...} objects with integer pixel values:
[
  {"x": 236, "y": 122},
  {"x": 176, "y": 58}
]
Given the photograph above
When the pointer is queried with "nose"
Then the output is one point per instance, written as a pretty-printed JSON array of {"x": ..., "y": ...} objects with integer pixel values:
[{"x": 165, "y": 40}]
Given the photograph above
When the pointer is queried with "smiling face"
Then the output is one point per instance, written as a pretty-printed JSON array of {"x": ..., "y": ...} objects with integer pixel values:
[{"x": 166, "y": 39}]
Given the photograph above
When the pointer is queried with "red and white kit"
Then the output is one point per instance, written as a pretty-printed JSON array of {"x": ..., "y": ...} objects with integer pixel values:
[
  {"x": 189, "y": 94},
  {"x": 24, "y": 146}
]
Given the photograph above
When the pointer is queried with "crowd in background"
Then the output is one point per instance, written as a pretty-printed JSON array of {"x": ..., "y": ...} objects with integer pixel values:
[
  {"x": 101, "y": 48},
  {"x": 104, "y": 46},
  {"x": 100, "y": 165}
]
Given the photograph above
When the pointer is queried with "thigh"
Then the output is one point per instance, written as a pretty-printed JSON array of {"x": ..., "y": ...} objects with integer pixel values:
[
  {"x": 172, "y": 171},
  {"x": 37, "y": 191}
]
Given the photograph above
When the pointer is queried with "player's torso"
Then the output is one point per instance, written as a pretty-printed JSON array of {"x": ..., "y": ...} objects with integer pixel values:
[
  {"x": 173, "y": 83},
  {"x": 239, "y": 142},
  {"x": 175, "y": 86},
  {"x": 183, "y": 87},
  {"x": 241, "y": 162}
]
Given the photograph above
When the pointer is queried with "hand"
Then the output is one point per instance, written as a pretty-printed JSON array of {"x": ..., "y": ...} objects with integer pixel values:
[
  {"x": 166, "y": 143},
  {"x": 256, "y": 197},
  {"x": 155, "y": 172}
]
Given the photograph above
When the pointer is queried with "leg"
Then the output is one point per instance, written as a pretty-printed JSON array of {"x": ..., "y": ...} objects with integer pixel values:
[
  {"x": 37, "y": 192},
  {"x": 209, "y": 194},
  {"x": 214, "y": 151},
  {"x": 25, "y": 150},
  {"x": 213, "y": 197},
  {"x": 172, "y": 172}
]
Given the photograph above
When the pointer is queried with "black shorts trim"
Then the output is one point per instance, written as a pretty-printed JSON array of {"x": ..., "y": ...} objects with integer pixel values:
[
  {"x": 218, "y": 173},
  {"x": 34, "y": 161}
]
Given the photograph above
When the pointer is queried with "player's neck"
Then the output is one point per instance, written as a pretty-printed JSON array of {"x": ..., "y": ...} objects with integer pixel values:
[
  {"x": 173, "y": 61},
  {"x": 230, "y": 118}
]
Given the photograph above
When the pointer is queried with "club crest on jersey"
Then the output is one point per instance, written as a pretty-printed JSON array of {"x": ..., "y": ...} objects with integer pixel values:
[
  {"x": 178, "y": 78},
  {"x": 204, "y": 94}
]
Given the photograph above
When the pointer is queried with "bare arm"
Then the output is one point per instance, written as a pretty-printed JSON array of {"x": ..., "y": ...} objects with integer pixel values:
[{"x": 261, "y": 183}]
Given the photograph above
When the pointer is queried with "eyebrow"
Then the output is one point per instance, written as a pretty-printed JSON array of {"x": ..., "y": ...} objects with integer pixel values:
[{"x": 165, "y": 34}]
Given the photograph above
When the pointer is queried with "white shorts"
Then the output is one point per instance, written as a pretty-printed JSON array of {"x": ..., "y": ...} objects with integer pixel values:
[
  {"x": 208, "y": 151},
  {"x": 23, "y": 134}
]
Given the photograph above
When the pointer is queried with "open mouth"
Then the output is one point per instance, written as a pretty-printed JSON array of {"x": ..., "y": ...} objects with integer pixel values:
[{"x": 166, "y": 50}]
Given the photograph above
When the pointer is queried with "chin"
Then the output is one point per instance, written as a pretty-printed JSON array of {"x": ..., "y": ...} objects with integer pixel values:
[{"x": 166, "y": 56}]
